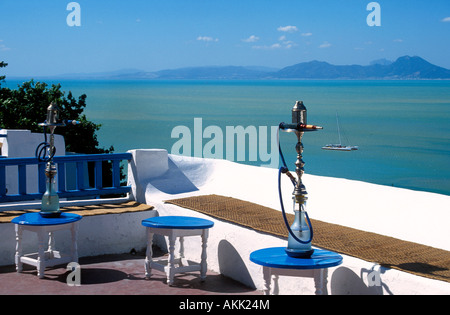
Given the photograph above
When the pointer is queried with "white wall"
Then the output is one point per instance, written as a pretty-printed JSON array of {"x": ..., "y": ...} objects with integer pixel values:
[
  {"x": 23, "y": 143},
  {"x": 229, "y": 245},
  {"x": 98, "y": 235}
]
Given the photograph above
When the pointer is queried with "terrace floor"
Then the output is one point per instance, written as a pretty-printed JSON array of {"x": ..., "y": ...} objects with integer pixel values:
[{"x": 116, "y": 275}]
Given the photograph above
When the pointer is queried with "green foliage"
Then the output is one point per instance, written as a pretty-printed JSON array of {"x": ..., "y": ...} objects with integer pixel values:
[
  {"x": 26, "y": 107},
  {"x": 2, "y": 65}
]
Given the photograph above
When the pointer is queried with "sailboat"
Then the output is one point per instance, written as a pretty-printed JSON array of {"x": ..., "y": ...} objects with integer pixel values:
[{"x": 340, "y": 146}]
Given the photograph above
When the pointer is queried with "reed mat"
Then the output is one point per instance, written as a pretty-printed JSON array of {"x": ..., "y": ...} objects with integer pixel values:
[
  {"x": 386, "y": 251},
  {"x": 89, "y": 210}
]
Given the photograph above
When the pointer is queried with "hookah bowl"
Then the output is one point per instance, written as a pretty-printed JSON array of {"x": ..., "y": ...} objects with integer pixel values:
[{"x": 50, "y": 199}]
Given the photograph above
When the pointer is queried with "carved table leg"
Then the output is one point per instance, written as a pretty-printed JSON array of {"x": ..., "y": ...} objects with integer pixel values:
[
  {"x": 203, "y": 263},
  {"x": 51, "y": 245},
  {"x": 171, "y": 266},
  {"x": 320, "y": 281},
  {"x": 149, "y": 254},
  {"x": 19, "y": 233},
  {"x": 267, "y": 273},
  {"x": 74, "y": 246},
  {"x": 41, "y": 254}
]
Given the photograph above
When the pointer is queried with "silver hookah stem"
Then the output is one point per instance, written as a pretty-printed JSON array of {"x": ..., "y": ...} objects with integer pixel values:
[{"x": 299, "y": 117}]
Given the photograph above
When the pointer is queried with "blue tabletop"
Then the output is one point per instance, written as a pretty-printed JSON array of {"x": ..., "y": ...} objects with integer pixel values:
[
  {"x": 35, "y": 218},
  {"x": 276, "y": 257},
  {"x": 177, "y": 222}
]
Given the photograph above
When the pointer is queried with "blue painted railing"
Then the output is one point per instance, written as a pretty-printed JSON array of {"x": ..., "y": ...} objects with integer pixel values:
[{"x": 80, "y": 191}]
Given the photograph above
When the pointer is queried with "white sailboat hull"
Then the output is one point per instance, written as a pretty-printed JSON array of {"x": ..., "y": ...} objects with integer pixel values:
[{"x": 338, "y": 147}]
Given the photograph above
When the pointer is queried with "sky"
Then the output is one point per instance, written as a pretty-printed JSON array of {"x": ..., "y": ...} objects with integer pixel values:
[{"x": 37, "y": 40}]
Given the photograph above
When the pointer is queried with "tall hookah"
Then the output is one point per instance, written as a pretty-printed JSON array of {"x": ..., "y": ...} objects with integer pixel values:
[
  {"x": 301, "y": 231},
  {"x": 45, "y": 153}
]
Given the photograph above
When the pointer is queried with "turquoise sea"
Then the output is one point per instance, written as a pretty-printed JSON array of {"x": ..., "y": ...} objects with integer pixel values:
[{"x": 402, "y": 128}]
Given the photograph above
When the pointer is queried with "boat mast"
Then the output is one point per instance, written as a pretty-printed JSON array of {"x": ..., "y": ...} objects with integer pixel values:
[{"x": 339, "y": 132}]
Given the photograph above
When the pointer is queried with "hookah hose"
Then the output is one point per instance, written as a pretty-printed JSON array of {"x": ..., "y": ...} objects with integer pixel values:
[
  {"x": 42, "y": 148},
  {"x": 284, "y": 169}
]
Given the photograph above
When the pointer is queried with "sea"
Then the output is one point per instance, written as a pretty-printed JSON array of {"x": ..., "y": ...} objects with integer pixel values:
[{"x": 402, "y": 127}]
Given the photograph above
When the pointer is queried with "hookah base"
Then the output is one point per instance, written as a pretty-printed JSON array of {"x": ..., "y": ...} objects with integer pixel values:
[
  {"x": 50, "y": 214},
  {"x": 299, "y": 253}
]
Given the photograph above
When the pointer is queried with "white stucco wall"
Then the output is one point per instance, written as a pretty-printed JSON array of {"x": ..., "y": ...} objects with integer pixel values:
[
  {"x": 167, "y": 176},
  {"x": 23, "y": 143},
  {"x": 229, "y": 245}
]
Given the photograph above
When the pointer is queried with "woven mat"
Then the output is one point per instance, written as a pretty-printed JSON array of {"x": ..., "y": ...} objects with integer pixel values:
[
  {"x": 129, "y": 206},
  {"x": 387, "y": 251}
]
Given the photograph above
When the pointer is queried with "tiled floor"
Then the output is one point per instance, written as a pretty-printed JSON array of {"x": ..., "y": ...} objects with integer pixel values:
[{"x": 116, "y": 274}]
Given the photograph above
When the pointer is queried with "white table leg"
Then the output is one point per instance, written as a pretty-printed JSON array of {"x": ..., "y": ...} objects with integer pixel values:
[
  {"x": 19, "y": 233},
  {"x": 51, "y": 245},
  {"x": 41, "y": 254},
  {"x": 203, "y": 263},
  {"x": 320, "y": 281},
  {"x": 149, "y": 254},
  {"x": 182, "y": 260},
  {"x": 171, "y": 267},
  {"x": 276, "y": 287},
  {"x": 267, "y": 274},
  {"x": 74, "y": 246}
]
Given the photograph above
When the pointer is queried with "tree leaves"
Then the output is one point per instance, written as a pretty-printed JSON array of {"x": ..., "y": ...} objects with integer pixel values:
[{"x": 26, "y": 107}]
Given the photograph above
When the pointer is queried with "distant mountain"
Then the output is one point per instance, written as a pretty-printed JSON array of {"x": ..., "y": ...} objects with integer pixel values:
[
  {"x": 114, "y": 75},
  {"x": 416, "y": 67},
  {"x": 382, "y": 61},
  {"x": 405, "y": 67},
  {"x": 213, "y": 72}
]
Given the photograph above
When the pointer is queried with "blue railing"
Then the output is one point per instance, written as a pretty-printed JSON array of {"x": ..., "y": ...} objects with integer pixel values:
[{"x": 81, "y": 188}]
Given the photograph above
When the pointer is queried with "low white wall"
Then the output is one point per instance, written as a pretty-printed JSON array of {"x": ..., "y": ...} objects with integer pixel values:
[
  {"x": 23, "y": 143},
  {"x": 98, "y": 235},
  {"x": 145, "y": 166},
  {"x": 229, "y": 245}
]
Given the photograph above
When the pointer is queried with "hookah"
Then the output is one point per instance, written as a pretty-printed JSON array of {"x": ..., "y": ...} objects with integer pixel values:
[
  {"x": 45, "y": 153},
  {"x": 301, "y": 231}
]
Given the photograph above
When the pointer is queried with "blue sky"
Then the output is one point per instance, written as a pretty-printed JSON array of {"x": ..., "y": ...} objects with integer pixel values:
[{"x": 35, "y": 39}]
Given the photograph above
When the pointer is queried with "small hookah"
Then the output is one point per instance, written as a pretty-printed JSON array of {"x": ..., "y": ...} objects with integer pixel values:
[
  {"x": 301, "y": 231},
  {"x": 45, "y": 153}
]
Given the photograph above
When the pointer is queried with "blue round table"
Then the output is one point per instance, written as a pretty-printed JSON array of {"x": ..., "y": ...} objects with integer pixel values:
[
  {"x": 44, "y": 227},
  {"x": 173, "y": 227},
  {"x": 36, "y": 219},
  {"x": 177, "y": 222},
  {"x": 276, "y": 262}
]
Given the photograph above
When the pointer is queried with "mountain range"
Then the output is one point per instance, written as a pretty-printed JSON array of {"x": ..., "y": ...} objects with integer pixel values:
[{"x": 405, "y": 67}]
